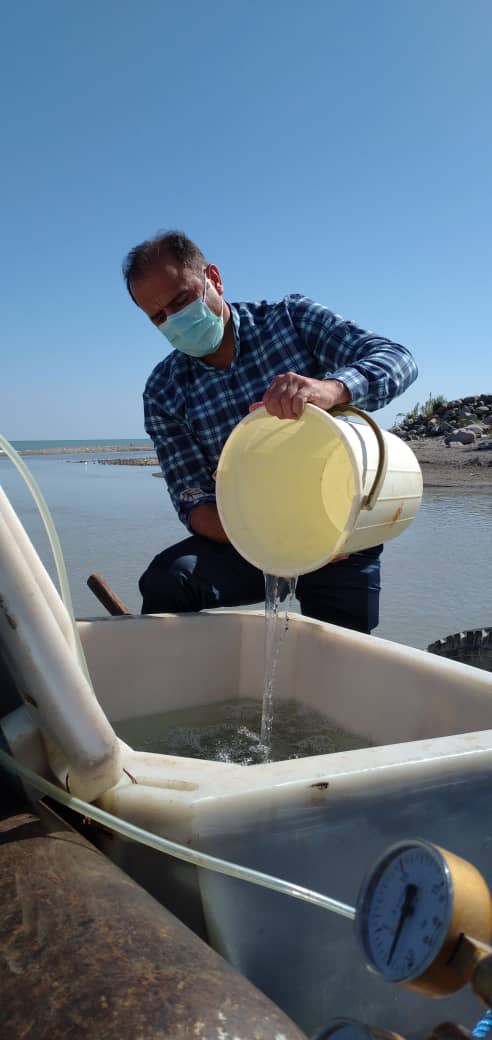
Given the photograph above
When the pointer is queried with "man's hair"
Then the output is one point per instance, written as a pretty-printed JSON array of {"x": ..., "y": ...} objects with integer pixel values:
[{"x": 148, "y": 255}]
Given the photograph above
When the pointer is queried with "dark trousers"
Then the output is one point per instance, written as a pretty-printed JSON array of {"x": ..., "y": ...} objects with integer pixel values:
[{"x": 197, "y": 574}]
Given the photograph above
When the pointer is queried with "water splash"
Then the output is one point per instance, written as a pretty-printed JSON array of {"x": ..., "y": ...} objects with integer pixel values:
[{"x": 229, "y": 731}]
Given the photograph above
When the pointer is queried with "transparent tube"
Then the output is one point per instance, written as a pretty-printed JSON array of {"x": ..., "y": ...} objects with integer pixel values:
[
  {"x": 172, "y": 848},
  {"x": 54, "y": 541}
]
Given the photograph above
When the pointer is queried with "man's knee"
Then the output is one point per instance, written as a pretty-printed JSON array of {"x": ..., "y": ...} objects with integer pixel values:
[
  {"x": 345, "y": 593},
  {"x": 165, "y": 586}
]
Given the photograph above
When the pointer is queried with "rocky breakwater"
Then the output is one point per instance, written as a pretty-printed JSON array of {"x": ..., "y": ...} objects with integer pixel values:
[
  {"x": 452, "y": 441},
  {"x": 148, "y": 460},
  {"x": 445, "y": 417}
]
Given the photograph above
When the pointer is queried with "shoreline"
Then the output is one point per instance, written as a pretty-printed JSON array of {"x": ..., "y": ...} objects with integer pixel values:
[
  {"x": 456, "y": 468},
  {"x": 83, "y": 449}
]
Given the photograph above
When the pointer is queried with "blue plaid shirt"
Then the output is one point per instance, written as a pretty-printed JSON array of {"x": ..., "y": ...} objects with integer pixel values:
[{"x": 191, "y": 408}]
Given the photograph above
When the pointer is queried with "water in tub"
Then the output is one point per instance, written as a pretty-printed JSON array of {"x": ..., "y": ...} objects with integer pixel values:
[
  {"x": 230, "y": 732},
  {"x": 247, "y": 731}
]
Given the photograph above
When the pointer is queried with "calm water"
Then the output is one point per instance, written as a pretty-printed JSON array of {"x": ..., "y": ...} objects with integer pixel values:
[
  {"x": 230, "y": 732},
  {"x": 436, "y": 577}
]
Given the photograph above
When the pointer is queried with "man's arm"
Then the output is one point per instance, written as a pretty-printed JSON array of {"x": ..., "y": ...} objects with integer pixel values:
[
  {"x": 188, "y": 478},
  {"x": 204, "y": 519},
  {"x": 373, "y": 369}
]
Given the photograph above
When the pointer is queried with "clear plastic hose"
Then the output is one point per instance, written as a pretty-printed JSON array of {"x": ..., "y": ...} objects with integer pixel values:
[
  {"x": 173, "y": 848},
  {"x": 54, "y": 541}
]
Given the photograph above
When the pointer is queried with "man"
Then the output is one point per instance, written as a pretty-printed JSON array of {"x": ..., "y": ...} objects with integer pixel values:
[{"x": 227, "y": 359}]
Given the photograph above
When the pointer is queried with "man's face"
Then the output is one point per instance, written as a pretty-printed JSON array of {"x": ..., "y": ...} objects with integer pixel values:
[{"x": 166, "y": 289}]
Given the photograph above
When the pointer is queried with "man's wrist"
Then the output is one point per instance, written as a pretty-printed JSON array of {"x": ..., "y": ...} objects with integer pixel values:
[{"x": 343, "y": 393}]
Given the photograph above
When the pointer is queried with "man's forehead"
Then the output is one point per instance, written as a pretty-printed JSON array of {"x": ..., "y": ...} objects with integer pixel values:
[
  {"x": 171, "y": 273},
  {"x": 161, "y": 283}
]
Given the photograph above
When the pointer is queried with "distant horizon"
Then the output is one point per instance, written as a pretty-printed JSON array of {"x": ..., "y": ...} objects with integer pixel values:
[
  {"x": 18, "y": 442},
  {"x": 385, "y": 420}
]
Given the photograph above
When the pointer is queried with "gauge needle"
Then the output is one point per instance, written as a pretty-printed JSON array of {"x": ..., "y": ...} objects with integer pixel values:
[{"x": 406, "y": 911}]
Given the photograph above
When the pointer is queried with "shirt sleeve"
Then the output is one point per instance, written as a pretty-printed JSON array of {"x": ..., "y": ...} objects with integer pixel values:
[
  {"x": 184, "y": 467},
  {"x": 374, "y": 369}
]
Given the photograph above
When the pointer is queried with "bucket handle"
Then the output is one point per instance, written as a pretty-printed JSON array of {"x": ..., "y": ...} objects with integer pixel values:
[{"x": 369, "y": 500}]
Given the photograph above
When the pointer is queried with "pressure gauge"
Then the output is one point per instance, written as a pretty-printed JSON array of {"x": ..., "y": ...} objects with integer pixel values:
[
  {"x": 416, "y": 903},
  {"x": 350, "y": 1029}
]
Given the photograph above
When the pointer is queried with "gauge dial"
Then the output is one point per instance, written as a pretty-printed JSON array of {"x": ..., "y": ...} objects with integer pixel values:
[
  {"x": 413, "y": 908},
  {"x": 406, "y": 911}
]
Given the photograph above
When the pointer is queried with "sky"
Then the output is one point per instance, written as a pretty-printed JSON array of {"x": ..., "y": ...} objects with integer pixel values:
[{"x": 338, "y": 148}]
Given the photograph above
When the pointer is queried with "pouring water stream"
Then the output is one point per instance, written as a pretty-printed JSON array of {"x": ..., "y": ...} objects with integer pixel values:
[{"x": 276, "y": 626}]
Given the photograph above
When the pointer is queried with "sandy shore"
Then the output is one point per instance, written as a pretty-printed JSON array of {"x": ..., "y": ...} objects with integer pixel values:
[{"x": 459, "y": 466}]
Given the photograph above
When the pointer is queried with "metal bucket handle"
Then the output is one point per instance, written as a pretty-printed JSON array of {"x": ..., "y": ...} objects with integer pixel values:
[{"x": 369, "y": 500}]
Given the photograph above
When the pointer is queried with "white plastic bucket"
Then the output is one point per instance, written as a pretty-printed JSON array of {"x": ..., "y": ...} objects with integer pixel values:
[{"x": 292, "y": 494}]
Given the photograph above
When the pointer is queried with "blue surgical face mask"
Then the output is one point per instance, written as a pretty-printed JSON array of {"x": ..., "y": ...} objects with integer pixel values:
[{"x": 195, "y": 330}]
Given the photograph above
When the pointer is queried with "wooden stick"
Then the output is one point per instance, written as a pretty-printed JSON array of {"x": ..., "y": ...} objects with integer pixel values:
[{"x": 104, "y": 593}]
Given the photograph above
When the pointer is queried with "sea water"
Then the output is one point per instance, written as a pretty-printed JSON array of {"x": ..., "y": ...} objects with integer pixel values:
[
  {"x": 113, "y": 519},
  {"x": 230, "y": 731}
]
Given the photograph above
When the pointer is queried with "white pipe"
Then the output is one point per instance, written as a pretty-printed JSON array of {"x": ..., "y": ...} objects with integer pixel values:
[
  {"x": 54, "y": 542},
  {"x": 37, "y": 569}
]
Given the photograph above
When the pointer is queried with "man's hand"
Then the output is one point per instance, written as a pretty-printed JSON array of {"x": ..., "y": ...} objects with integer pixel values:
[{"x": 289, "y": 394}]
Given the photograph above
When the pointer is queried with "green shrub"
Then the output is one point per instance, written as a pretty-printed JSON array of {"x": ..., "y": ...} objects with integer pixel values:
[
  {"x": 425, "y": 410},
  {"x": 432, "y": 404}
]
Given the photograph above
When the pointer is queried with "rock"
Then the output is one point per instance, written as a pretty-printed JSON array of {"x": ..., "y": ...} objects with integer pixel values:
[
  {"x": 460, "y": 437},
  {"x": 150, "y": 460},
  {"x": 471, "y": 414}
]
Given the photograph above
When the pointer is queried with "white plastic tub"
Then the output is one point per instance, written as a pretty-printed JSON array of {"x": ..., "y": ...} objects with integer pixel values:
[{"x": 316, "y": 821}]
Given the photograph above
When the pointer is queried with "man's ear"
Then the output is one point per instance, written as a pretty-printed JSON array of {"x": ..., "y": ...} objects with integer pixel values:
[{"x": 212, "y": 272}]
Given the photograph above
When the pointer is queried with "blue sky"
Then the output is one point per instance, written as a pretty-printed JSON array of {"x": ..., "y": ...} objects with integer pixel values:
[{"x": 340, "y": 148}]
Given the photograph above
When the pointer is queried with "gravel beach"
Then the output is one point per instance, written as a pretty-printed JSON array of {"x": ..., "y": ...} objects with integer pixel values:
[{"x": 459, "y": 466}]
